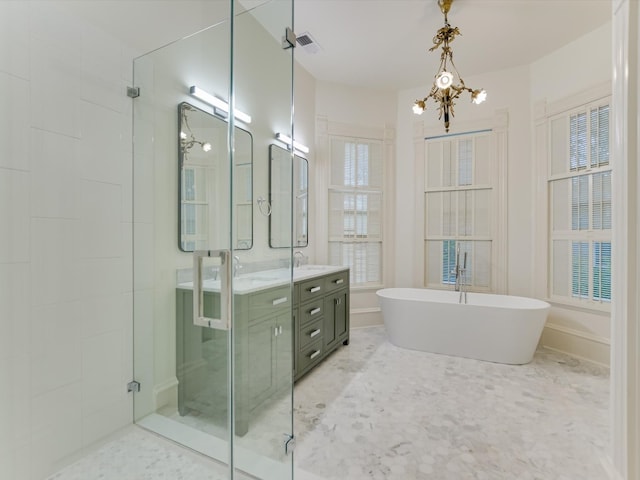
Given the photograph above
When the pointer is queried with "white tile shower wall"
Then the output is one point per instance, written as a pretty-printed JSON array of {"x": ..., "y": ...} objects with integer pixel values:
[{"x": 65, "y": 237}]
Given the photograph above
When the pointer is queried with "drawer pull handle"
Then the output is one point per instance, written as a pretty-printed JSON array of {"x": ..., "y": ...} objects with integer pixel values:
[
  {"x": 314, "y": 333},
  {"x": 339, "y": 281},
  {"x": 314, "y": 354},
  {"x": 278, "y": 301},
  {"x": 314, "y": 289},
  {"x": 314, "y": 311}
]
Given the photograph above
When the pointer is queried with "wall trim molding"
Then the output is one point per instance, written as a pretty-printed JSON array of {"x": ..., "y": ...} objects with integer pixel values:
[
  {"x": 577, "y": 333},
  {"x": 165, "y": 393},
  {"x": 365, "y": 317},
  {"x": 582, "y": 345}
]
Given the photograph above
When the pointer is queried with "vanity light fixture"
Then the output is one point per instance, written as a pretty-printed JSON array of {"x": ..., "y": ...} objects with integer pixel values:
[
  {"x": 215, "y": 102},
  {"x": 296, "y": 145},
  {"x": 445, "y": 89}
]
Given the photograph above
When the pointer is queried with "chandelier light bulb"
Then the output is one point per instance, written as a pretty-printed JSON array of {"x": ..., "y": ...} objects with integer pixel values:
[
  {"x": 479, "y": 96},
  {"x": 206, "y": 147},
  {"x": 444, "y": 80},
  {"x": 183, "y": 136},
  {"x": 419, "y": 107}
]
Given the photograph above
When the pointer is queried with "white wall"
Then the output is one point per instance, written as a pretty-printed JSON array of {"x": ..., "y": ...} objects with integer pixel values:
[
  {"x": 504, "y": 93},
  {"x": 366, "y": 113},
  {"x": 65, "y": 249},
  {"x": 554, "y": 78}
]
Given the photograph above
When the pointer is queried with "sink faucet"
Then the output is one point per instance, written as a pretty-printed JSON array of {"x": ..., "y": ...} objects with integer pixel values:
[
  {"x": 236, "y": 265},
  {"x": 298, "y": 257}
]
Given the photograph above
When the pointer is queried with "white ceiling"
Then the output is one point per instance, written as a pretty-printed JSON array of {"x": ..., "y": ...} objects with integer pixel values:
[
  {"x": 376, "y": 43},
  {"x": 384, "y": 43}
]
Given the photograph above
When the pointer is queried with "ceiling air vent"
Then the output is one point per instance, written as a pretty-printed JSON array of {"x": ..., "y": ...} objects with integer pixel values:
[{"x": 308, "y": 43}]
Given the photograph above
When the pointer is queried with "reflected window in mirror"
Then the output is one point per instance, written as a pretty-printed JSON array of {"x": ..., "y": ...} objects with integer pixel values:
[
  {"x": 283, "y": 168},
  {"x": 205, "y": 203}
]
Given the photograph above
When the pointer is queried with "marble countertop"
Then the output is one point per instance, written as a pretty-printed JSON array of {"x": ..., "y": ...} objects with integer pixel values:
[{"x": 256, "y": 281}]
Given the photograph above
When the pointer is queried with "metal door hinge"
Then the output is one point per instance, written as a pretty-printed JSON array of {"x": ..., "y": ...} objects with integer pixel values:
[
  {"x": 289, "y": 39},
  {"x": 289, "y": 444},
  {"x": 133, "y": 386},
  {"x": 133, "y": 92}
]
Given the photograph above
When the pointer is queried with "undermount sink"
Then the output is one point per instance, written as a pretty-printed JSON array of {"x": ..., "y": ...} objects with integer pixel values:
[{"x": 316, "y": 267}]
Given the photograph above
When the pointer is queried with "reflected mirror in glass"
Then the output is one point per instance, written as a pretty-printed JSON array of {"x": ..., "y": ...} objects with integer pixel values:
[
  {"x": 204, "y": 181},
  {"x": 280, "y": 198}
]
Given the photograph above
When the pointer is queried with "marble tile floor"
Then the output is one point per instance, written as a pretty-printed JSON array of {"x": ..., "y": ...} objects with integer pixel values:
[{"x": 376, "y": 411}]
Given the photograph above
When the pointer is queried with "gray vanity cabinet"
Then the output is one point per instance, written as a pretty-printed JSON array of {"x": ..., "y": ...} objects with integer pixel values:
[
  {"x": 312, "y": 323},
  {"x": 322, "y": 322}
]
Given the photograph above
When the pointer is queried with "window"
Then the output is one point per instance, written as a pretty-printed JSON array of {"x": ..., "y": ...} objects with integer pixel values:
[
  {"x": 355, "y": 208},
  {"x": 195, "y": 208},
  {"x": 459, "y": 203},
  {"x": 580, "y": 199}
]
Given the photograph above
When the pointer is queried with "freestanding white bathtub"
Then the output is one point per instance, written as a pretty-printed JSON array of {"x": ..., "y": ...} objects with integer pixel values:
[{"x": 495, "y": 328}]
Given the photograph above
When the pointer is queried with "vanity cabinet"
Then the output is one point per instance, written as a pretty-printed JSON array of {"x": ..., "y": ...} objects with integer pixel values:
[
  {"x": 312, "y": 319},
  {"x": 322, "y": 322}
]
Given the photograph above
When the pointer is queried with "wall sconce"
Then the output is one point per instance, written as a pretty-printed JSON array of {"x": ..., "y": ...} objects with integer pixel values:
[
  {"x": 217, "y": 103},
  {"x": 296, "y": 145}
]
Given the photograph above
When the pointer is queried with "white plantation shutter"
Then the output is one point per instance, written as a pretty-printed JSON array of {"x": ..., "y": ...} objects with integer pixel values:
[
  {"x": 459, "y": 209},
  {"x": 355, "y": 208},
  {"x": 580, "y": 200}
]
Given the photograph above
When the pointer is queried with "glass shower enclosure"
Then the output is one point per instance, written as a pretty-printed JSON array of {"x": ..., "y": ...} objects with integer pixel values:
[{"x": 213, "y": 345}]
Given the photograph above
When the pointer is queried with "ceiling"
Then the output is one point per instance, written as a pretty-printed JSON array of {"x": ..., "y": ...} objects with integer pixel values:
[
  {"x": 384, "y": 43},
  {"x": 380, "y": 44}
]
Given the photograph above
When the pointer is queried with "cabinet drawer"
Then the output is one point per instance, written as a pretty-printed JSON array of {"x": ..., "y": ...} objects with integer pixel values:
[
  {"x": 309, "y": 355},
  {"x": 269, "y": 301},
  {"x": 310, "y": 333},
  {"x": 337, "y": 280},
  {"x": 311, "y": 289},
  {"x": 311, "y": 311}
]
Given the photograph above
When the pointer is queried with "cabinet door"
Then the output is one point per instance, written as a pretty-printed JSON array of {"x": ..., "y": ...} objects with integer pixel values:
[
  {"x": 261, "y": 351},
  {"x": 342, "y": 315},
  {"x": 283, "y": 367},
  {"x": 335, "y": 318}
]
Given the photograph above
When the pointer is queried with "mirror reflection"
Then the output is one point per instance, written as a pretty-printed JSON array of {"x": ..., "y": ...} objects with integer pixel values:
[
  {"x": 280, "y": 198},
  {"x": 204, "y": 181}
]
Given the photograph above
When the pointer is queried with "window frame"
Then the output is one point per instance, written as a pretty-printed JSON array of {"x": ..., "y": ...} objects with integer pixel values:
[
  {"x": 590, "y": 235},
  {"x": 462, "y": 186},
  {"x": 355, "y": 190}
]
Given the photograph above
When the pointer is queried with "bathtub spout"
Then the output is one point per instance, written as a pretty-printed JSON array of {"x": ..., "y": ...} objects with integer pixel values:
[{"x": 462, "y": 286}]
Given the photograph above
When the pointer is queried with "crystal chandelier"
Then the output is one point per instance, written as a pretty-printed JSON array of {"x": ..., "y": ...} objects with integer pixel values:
[{"x": 448, "y": 85}]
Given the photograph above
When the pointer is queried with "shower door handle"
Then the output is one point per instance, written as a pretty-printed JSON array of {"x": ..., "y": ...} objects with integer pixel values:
[{"x": 199, "y": 319}]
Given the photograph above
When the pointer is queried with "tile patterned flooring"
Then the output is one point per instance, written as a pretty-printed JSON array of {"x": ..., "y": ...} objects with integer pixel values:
[{"x": 376, "y": 411}]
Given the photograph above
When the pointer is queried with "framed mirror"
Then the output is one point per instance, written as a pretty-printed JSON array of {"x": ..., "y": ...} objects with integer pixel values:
[
  {"x": 204, "y": 181},
  {"x": 280, "y": 199}
]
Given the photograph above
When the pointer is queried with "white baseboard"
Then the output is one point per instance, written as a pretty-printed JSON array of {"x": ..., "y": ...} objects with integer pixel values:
[
  {"x": 365, "y": 317},
  {"x": 165, "y": 394},
  {"x": 583, "y": 345}
]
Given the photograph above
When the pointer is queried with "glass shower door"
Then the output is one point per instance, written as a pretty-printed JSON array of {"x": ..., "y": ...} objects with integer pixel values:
[{"x": 213, "y": 336}]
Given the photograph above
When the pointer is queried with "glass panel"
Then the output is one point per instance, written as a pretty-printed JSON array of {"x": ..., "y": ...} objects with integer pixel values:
[
  {"x": 263, "y": 334},
  {"x": 225, "y": 393},
  {"x": 580, "y": 269},
  {"x": 280, "y": 198},
  {"x": 183, "y": 368},
  {"x": 602, "y": 271}
]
